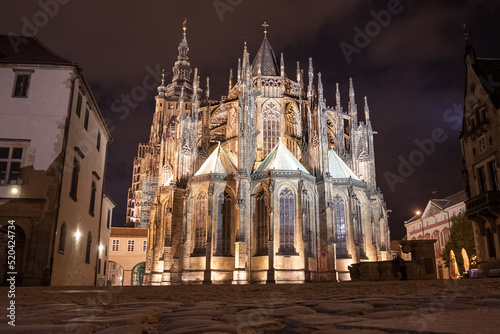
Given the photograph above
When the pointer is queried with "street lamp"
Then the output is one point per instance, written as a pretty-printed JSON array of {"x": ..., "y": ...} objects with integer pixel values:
[{"x": 421, "y": 221}]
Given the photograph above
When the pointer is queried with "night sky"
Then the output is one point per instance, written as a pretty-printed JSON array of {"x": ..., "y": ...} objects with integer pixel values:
[{"x": 410, "y": 67}]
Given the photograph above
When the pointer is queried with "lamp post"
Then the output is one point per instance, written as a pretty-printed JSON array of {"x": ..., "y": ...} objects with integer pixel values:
[{"x": 421, "y": 221}]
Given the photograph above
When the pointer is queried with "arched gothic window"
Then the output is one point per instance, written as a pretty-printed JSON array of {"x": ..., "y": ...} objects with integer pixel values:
[
  {"x": 224, "y": 225},
  {"x": 262, "y": 222},
  {"x": 286, "y": 222},
  {"x": 340, "y": 233},
  {"x": 271, "y": 127},
  {"x": 200, "y": 234}
]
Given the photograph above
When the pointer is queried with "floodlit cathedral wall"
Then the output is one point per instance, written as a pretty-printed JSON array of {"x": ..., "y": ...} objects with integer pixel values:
[{"x": 267, "y": 185}]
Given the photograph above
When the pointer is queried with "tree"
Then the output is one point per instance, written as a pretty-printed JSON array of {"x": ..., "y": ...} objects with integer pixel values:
[{"x": 461, "y": 236}]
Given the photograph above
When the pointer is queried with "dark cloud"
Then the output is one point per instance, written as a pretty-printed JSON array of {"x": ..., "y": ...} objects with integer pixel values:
[{"x": 412, "y": 71}]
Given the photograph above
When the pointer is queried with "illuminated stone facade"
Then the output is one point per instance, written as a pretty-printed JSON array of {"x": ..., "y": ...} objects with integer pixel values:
[
  {"x": 266, "y": 185},
  {"x": 480, "y": 141}
]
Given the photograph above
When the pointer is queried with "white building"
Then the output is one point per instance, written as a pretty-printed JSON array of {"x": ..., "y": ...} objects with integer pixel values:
[
  {"x": 435, "y": 223},
  {"x": 127, "y": 257},
  {"x": 53, "y": 145}
]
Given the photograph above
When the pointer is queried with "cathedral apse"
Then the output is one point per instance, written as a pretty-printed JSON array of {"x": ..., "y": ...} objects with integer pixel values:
[{"x": 266, "y": 185}]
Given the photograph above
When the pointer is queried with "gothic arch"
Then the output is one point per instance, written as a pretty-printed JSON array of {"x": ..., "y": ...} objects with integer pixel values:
[
  {"x": 261, "y": 220},
  {"x": 287, "y": 215},
  {"x": 340, "y": 207},
  {"x": 200, "y": 223},
  {"x": 226, "y": 219},
  {"x": 271, "y": 125}
]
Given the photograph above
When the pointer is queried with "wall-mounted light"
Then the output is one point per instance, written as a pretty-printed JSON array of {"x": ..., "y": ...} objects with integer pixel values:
[
  {"x": 14, "y": 191},
  {"x": 78, "y": 234},
  {"x": 101, "y": 247}
]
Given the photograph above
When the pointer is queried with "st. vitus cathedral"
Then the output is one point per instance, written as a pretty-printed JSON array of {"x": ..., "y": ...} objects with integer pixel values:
[{"x": 266, "y": 185}]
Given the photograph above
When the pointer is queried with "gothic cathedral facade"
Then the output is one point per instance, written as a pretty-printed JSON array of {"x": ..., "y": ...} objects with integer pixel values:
[{"x": 266, "y": 185}]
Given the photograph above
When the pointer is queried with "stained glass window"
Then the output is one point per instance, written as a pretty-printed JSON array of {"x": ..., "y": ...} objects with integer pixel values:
[
  {"x": 286, "y": 222},
  {"x": 200, "y": 239},
  {"x": 262, "y": 222},
  {"x": 340, "y": 233},
  {"x": 271, "y": 123}
]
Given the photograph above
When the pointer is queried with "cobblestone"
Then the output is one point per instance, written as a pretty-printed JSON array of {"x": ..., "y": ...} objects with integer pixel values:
[{"x": 466, "y": 306}]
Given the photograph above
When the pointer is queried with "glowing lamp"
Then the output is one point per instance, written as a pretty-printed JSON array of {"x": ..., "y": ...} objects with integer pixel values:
[{"x": 77, "y": 235}]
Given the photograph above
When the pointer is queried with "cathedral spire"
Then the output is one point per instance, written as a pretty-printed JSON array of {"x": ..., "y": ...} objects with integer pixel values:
[
  {"x": 207, "y": 90},
  {"x": 310, "y": 76},
  {"x": 182, "y": 68},
  {"x": 298, "y": 72},
  {"x": 282, "y": 63},
  {"x": 230, "y": 81},
  {"x": 353, "y": 110},
  {"x": 337, "y": 97},
  {"x": 351, "y": 91},
  {"x": 367, "y": 111},
  {"x": 320, "y": 87}
]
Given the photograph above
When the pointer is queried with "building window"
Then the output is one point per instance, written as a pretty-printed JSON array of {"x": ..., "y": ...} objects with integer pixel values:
[
  {"x": 130, "y": 245},
  {"x": 86, "y": 120},
  {"x": 224, "y": 225},
  {"x": 98, "y": 144},
  {"x": 106, "y": 250},
  {"x": 200, "y": 237},
  {"x": 262, "y": 222},
  {"x": 419, "y": 227},
  {"x": 79, "y": 105},
  {"x": 271, "y": 127},
  {"x": 286, "y": 222},
  {"x": 482, "y": 180},
  {"x": 492, "y": 168},
  {"x": 108, "y": 219},
  {"x": 92, "y": 198},
  {"x": 21, "y": 83},
  {"x": 89, "y": 244},
  {"x": 425, "y": 224},
  {"x": 144, "y": 246},
  {"x": 10, "y": 165},
  {"x": 444, "y": 217},
  {"x": 62, "y": 238},
  {"x": 115, "y": 245},
  {"x": 104, "y": 268},
  {"x": 340, "y": 233},
  {"x": 74, "y": 178},
  {"x": 413, "y": 228}
]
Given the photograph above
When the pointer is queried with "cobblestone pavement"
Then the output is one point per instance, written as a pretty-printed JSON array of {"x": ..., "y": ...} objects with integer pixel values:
[{"x": 465, "y": 306}]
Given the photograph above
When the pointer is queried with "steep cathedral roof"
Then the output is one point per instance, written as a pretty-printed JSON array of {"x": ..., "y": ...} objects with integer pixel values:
[
  {"x": 281, "y": 158},
  {"x": 219, "y": 162},
  {"x": 338, "y": 169},
  {"x": 266, "y": 58}
]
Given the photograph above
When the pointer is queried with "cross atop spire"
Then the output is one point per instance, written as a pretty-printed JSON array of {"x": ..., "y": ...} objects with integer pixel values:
[
  {"x": 265, "y": 25},
  {"x": 184, "y": 24}
]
